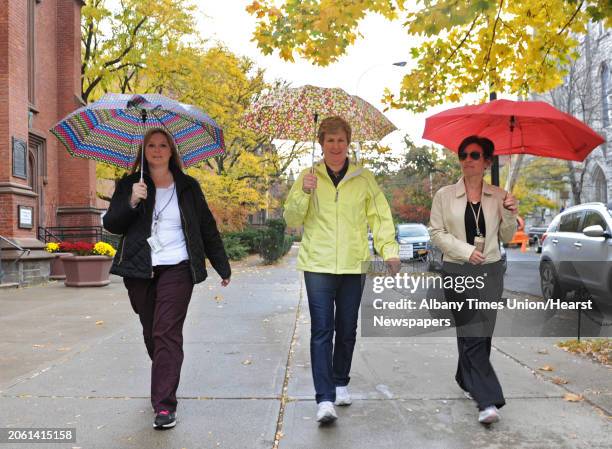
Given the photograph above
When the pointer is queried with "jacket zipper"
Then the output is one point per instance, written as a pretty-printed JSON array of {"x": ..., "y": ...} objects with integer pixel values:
[
  {"x": 122, "y": 249},
  {"x": 186, "y": 234},
  {"x": 337, "y": 241}
]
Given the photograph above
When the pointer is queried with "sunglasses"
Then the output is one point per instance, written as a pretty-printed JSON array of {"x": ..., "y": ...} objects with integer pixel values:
[{"x": 475, "y": 155}]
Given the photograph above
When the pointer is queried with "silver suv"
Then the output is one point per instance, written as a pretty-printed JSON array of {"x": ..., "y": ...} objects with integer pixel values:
[{"x": 577, "y": 252}]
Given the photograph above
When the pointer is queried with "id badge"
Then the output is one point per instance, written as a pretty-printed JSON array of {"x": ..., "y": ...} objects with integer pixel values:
[
  {"x": 155, "y": 243},
  {"x": 479, "y": 243}
]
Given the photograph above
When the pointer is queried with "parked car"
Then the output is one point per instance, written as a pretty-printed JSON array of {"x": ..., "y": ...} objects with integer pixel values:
[
  {"x": 535, "y": 236},
  {"x": 577, "y": 252},
  {"x": 413, "y": 239}
]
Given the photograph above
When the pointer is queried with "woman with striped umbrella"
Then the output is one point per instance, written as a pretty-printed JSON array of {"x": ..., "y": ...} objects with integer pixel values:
[{"x": 161, "y": 214}]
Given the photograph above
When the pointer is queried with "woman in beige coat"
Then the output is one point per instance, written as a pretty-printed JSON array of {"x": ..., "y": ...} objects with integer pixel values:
[{"x": 468, "y": 221}]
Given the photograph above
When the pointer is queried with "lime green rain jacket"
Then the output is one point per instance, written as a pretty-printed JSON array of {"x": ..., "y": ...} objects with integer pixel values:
[{"x": 336, "y": 220}]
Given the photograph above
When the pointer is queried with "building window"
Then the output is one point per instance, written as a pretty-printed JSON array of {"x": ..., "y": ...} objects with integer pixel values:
[
  {"x": 606, "y": 96},
  {"x": 601, "y": 186},
  {"x": 31, "y": 51},
  {"x": 32, "y": 172}
]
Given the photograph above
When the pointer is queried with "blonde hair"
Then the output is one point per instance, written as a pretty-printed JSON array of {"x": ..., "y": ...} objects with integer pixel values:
[
  {"x": 175, "y": 159},
  {"x": 332, "y": 125}
]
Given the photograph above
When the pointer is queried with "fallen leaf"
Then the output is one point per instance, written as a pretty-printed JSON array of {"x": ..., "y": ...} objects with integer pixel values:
[
  {"x": 99, "y": 323},
  {"x": 546, "y": 368},
  {"x": 571, "y": 397},
  {"x": 38, "y": 346},
  {"x": 542, "y": 351},
  {"x": 559, "y": 381},
  {"x": 247, "y": 362},
  {"x": 63, "y": 349},
  {"x": 218, "y": 298}
]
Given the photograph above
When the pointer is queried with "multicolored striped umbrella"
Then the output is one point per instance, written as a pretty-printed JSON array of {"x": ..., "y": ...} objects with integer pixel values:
[
  {"x": 112, "y": 129},
  {"x": 287, "y": 113}
]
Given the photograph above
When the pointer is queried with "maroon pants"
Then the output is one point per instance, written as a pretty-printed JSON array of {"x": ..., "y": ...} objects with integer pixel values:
[{"x": 161, "y": 303}]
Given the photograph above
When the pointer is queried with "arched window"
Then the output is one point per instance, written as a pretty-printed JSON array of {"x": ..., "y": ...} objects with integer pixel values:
[
  {"x": 606, "y": 95},
  {"x": 32, "y": 172},
  {"x": 600, "y": 186}
]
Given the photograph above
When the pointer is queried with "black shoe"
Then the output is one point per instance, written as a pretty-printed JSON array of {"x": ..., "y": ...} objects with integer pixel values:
[{"x": 165, "y": 420}]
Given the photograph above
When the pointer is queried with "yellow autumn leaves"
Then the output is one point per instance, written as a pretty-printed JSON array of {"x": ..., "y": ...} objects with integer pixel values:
[{"x": 517, "y": 47}]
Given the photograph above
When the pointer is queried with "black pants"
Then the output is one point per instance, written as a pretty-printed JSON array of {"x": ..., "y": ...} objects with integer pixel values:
[
  {"x": 161, "y": 304},
  {"x": 475, "y": 374}
]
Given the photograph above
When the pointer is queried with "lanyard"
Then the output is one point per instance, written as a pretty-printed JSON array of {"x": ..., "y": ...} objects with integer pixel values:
[
  {"x": 476, "y": 217},
  {"x": 157, "y": 215}
]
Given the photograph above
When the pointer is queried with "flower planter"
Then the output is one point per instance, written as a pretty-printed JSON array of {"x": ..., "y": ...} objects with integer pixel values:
[
  {"x": 57, "y": 266},
  {"x": 87, "y": 271}
]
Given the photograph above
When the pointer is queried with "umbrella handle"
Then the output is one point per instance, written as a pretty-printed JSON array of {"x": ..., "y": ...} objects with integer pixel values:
[
  {"x": 314, "y": 139},
  {"x": 143, "y": 115}
]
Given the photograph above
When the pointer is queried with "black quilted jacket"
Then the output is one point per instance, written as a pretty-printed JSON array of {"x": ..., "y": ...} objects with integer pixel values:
[{"x": 133, "y": 258}]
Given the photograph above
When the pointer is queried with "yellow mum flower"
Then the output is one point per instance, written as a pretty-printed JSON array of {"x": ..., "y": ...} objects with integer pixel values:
[
  {"x": 52, "y": 247},
  {"x": 104, "y": 249}
]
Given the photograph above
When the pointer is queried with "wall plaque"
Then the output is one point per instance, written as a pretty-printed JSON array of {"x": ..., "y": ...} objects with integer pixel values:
[
  {"x": 25, "y": 217},
  {"x": 20, "y": 158}
]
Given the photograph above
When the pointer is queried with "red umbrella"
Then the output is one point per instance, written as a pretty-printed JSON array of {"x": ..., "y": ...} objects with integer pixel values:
[{"x": 515, "y": 127}]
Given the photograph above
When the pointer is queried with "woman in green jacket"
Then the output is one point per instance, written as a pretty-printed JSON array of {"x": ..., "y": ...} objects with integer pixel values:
[{"x": 335, "y": 201}]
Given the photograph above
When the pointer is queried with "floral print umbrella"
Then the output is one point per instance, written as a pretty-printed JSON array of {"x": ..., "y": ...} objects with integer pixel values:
[
  {"x": 112, "y": 129},
  {"x": 288, "y": 113}
]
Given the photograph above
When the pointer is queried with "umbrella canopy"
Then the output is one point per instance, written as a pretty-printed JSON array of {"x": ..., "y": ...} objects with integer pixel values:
[
  {"x": 531, "y": 127},
  {"x": 288, "y": 113},
  {"x": 112, "y": 129}
]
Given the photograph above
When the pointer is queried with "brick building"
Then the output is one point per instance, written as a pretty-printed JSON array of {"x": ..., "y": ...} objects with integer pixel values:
[{"x": 41, "y": 185}]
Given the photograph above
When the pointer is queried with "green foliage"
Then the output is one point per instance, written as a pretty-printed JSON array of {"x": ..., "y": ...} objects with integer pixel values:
[
  {"x": 537, "y": 176},
  {"x": 249, "y": 238},
  {"x": 234, "y": 248},
  {"x": 274, "y": 244},
  {"x": 424, "y": 170}
]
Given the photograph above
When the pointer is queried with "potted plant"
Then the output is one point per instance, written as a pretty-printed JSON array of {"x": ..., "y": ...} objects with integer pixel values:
[
  {"x": 90, "y": 265},
  {"x": 57, "y": 264}
]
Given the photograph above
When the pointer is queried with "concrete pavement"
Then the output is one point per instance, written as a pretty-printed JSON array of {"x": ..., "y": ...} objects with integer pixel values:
[{"x": 75, "y": 358}]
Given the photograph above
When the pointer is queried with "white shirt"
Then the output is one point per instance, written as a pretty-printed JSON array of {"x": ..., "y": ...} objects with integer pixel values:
[{"x": 169, "y": 228}]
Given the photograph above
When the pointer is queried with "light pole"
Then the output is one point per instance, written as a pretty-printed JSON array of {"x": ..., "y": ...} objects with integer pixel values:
[{"x": 372, "y": 67}]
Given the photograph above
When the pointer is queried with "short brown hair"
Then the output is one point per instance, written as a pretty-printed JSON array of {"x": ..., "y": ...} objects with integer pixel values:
[
  {"x": 332, "y": 125},
  {"x": 175, "y": 160}
]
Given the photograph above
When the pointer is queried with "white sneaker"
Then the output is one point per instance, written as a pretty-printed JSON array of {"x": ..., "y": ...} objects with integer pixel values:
[
  {"x": 489, "y": 415},
  {"x": 343, "y": 396},
  {"x": 326, "y": 412}
]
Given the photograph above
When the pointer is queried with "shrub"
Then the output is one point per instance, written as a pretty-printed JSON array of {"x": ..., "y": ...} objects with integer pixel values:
[
  {"x": 249, "y": 238},
  {"x": 234, "y": 248},
  {"x": 274, "y": 244}
]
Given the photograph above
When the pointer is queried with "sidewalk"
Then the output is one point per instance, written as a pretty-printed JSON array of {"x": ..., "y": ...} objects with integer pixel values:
[{"x": 75, "y": 358}]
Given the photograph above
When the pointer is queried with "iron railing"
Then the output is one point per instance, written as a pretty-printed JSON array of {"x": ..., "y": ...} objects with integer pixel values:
[
  {"x": 76, "y": 233},
  {"x": 17, "y": 247}
]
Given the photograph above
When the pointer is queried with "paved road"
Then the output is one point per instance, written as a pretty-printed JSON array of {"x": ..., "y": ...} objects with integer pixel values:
[
  {"x": 74, "y": 358},
  {"x": 523, "y": 273}
]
